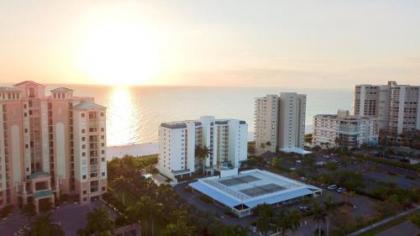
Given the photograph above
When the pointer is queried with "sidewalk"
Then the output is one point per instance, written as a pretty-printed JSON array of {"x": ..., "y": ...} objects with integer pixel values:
[{"x": 384, "y": 221}]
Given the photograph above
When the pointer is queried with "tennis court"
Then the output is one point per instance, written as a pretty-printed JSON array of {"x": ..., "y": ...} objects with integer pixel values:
[
  {"x": 262, "y": 189},
  {"x": 239, "y": 180}
]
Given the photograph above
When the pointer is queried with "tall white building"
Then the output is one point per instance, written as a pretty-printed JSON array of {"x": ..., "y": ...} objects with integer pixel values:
[
  {"x": 396, "y": 107},
  {"x": 226, "y": 140},
  {"x": 280, "y": 122},
  {"x": 344, "y": 130}
]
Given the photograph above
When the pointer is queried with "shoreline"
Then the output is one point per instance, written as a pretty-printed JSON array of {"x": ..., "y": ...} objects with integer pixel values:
[{"x": 134, "y": 149}]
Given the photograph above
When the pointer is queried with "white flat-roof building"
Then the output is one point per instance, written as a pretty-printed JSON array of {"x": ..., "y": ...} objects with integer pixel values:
[
  {"x": 344, "y": 130},
  {"x": 226, "y": 140},
  {"x": 280, "y": 122},
  {"x": 246, "y": 190}
]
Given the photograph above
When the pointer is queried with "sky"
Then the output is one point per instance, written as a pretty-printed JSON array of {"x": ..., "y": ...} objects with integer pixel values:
[{"x": 278, "y": 43}]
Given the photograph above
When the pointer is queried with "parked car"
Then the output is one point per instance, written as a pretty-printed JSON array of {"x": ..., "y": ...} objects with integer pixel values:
[
  {"x": 341, "y": 190},
  {"x": 332, "y": 187},
  {"x": 304, "y": 209}
]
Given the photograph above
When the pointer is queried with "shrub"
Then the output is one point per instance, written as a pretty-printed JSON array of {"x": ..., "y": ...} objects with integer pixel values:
[{"x": 415, "y": 219}]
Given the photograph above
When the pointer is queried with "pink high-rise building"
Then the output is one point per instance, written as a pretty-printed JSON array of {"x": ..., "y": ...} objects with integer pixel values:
[{"x": 50, "y": 146}]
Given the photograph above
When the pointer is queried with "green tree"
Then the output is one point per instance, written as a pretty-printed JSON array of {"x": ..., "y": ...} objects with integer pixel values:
[
  {"x": 288, "y": 220},
  {"x": 99, "y": 223},
  {"x": 146, "y": 210},
  {"x": 331, "y": 166},
  {"x": 179, "y": 228},
  {"x": 43, "y": 226},
  {"x": 202, "y": 152},
  {"x": 234, "y": 231},
  {"x": 415, "y": 219}
]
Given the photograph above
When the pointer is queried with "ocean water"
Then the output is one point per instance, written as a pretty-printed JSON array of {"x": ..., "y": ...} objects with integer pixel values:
[{"x": 134, "y": 113}]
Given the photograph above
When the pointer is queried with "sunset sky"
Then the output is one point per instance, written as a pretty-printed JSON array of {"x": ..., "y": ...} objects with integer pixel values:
[{"x": 296, "y": 43}]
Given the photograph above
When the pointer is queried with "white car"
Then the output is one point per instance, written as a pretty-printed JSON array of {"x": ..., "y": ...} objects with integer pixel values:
[
  {"x": 332, "y": 187},
  {"x": 341, "y": 190}
]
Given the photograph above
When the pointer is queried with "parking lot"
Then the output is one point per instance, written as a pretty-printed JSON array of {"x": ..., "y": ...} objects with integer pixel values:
[{"x": 71, "y": 217}]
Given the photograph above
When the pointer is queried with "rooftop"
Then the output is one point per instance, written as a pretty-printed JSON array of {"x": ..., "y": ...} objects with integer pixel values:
[
  {"x": 252, "y": 188},
  {"x": 61, "y": 89},
  {"x": 87, "y": 105},
  {"x": 296, "y": 150},
  {"x": 28, "y": 82}
]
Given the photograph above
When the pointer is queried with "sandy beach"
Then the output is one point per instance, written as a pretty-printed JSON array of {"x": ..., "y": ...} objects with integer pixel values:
[{"x": 142, "y": 149}]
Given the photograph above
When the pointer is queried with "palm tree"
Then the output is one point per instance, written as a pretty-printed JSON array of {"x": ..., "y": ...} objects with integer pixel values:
[
  {"x": 318, "y": 215},
  {"x": 147, "y": 211},
  {"x": 43, "y": 226},
  {"x": 329, "y": 207},
  {"x": 288, "y": 220},
  {"x": 265, "y": 218},
  {"x": 202, "y": 152}
]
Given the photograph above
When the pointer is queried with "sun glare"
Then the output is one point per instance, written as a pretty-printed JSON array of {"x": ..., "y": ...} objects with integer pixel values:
[{"x": 116, "y": 52}]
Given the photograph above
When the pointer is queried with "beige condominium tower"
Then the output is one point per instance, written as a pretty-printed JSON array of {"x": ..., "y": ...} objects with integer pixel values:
[
  {"x": 50, "y": 146},
  {"x": 396, "y": 107},
  {"x": 280, "y": 122}
]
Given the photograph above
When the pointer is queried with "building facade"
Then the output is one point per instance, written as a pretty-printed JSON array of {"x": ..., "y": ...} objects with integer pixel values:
[
  {"x": 396, "y": 107},
  {"x": 226, "y": 141},
  {"x": 344, "y": 130},
  {"x": 50, "y": 146},
  {"x": 266, "y": 123},
  {"x": 280, "y": 122}
]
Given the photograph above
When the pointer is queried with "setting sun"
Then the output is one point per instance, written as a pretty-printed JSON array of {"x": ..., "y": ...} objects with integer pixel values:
[{"x": 119, "y": 51}]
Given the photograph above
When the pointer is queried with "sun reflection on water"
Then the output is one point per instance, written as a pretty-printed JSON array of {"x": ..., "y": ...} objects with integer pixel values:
[{"x": 122, "y": 114}]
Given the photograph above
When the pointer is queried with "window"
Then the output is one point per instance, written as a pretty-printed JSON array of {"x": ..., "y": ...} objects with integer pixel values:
[
  {"x": 82, "y": 115},
  {"x": 84, "y": 177}
]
